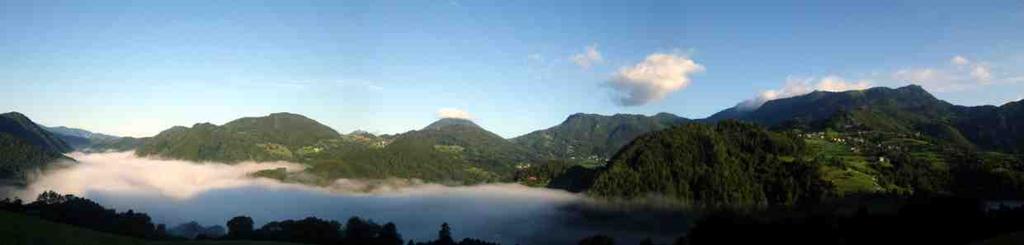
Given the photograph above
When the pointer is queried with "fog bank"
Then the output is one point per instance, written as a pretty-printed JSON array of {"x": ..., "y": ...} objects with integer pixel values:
[{"x": 174, "y": 192}]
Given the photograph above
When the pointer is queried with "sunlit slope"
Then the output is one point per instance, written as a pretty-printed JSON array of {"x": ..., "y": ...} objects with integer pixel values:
[
  {"x": 908, "y": 110},
  {"x": 449, "y": 150},
  {"x": 274, "y": 137},
  {"x": 592, "y": 137}
]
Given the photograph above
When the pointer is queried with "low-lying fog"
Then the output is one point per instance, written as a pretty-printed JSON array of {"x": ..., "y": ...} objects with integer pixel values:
[{"x": 174, "y": 192}]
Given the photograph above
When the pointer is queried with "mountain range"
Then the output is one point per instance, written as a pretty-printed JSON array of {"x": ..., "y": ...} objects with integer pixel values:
[
  {"x": 908, "y": 109},
  {"x": 460, "y": 151}
]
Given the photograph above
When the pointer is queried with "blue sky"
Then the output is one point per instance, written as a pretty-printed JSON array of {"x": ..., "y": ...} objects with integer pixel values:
[{"x": 136, "y": 68}]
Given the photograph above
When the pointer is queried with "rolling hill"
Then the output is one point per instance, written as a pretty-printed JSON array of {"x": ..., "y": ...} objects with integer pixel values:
[
  {"x": 593, "y": 137},
  {"x": 274, "y": 137},
  {"x": 448, "y": 150}
]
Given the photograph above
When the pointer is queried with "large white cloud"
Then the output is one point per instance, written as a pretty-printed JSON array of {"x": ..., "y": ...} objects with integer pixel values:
[
  {"x": 801, "y": 86},
  {"x": 588, "y": 58},
  {"x": 654, "y": 78},
  {"x": 453, "y": 113}
]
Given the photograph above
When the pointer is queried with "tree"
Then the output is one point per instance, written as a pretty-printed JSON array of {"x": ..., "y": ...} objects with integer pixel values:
[
  {"x": 444, "y": 236},
  {"x": 389, "y": 235},
  {"x": 240, "y": 227}
]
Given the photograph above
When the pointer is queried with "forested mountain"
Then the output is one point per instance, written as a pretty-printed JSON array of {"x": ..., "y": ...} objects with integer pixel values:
[
  {"x": 994, "y": 127},
  {"x": 908, "y": 109},
  {"x": 729, "y": 164},
  {"x": 593, "y": 137},
  {"x": 898, "y": 142},
  {"x": 274, "y": 137},
  {"x": 449, "y": 150},
  {"x": 77, "y": 132},
  {"x": 25, "y": 148},
  {"x": 20, "y": 127}
]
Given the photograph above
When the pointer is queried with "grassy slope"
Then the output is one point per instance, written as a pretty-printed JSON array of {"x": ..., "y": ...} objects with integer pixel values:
[{"x": 22, "y": 229}]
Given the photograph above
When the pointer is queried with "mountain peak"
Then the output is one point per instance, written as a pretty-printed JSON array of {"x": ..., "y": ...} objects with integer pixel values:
[
  {"x": 15, "y": 116},
  {"x": 450, "y": 122},
  {"x": 912, "y": 87},
  {"x": 285, "y": 115}
]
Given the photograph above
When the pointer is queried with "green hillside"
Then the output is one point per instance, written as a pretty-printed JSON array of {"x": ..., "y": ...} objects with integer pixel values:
[
  {"x": 25, "y": 149},
  {"x": 730, "y": 164},
  {"x": 269, "y": 138},
  {"x": 19, "y": 160},
  {"x": 591, "y": 137},
  {"x": 21, "y": 127},
  {"x": 900, "y": 142},
  {"x": 449, "y": 150},
  {"x": 906, "y": 110}
]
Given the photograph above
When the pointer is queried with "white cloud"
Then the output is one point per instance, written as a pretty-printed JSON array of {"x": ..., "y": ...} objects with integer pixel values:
[
  {"x": 588, "y": 58},
  {"x": 981, "y": 74},
  {"x": 959, "y": 60},
  {"x": 801, "y": 86},
  {"x": 654, "y": 78},
  {"x": 453, "y": 113}
]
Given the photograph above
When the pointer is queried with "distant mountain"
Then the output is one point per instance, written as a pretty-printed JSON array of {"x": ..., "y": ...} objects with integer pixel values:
[
  {"x": 118, "y": 144},
  {"x": 274, "y": 137},
  {"x": 25, "y": 148},
  {"x": 820, "y": 106},
  {"x": 191, "y": 230},
  {"x": 592, "y": 136},
  {"x": 448, "y": 151},
  {"x": 450, "y": 122},
  {"x": 81, "y": 133},
  {"x": 80, "y": 139},
  {"x": 477, "y": 145},
  {"x": 908, "y": 109}
]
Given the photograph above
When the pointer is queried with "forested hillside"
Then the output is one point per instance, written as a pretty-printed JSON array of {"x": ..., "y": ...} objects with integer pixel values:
[
  {"x": 274, "y": 137},
  {"x": 906, "y": 110},
  {"x": 728, "y": 164},
  {"x": 592, "y": 137},
  {"x": 449, "y": 150},
  {"x": 26, "y": 149}
]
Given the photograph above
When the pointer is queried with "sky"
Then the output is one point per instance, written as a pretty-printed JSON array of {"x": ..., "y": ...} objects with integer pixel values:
[{"x": 135, "y": 68}]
